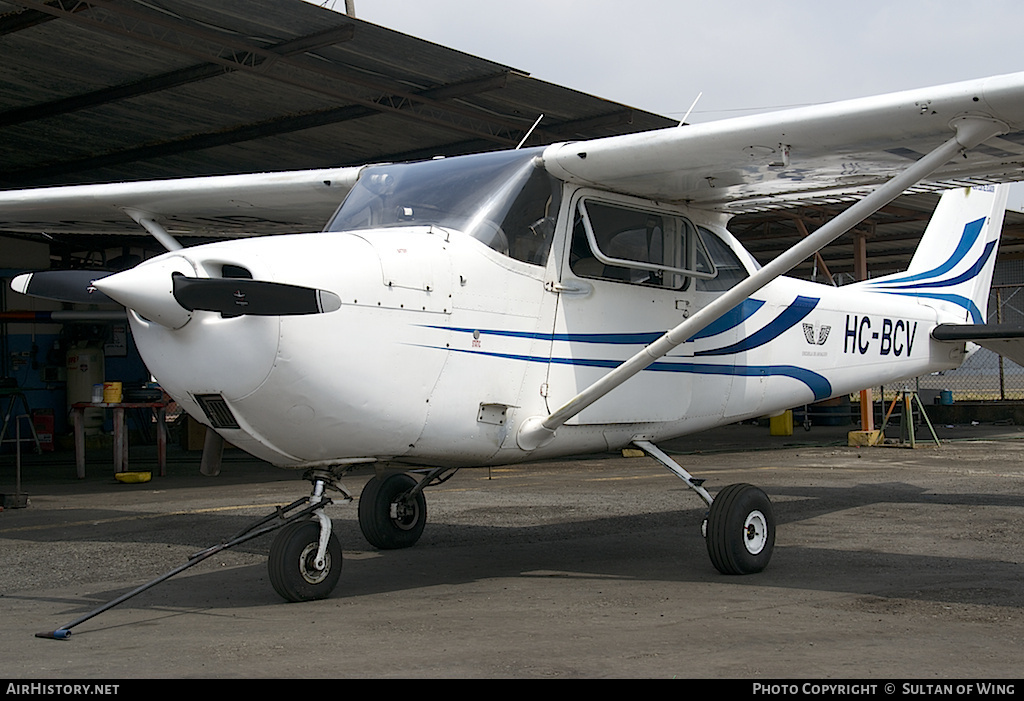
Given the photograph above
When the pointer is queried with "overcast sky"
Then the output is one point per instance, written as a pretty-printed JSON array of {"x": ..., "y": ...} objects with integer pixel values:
[{"x": 742, "y": 55}]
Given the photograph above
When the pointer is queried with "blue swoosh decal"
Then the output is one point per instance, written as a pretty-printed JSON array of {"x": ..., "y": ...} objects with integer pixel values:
[
  {"x": 818, "y": 384},
  {"x": 730, "y": 320},
  {"x": 962, "y": 277},
  {"x": 613, "y": 339},
  {"x": 967, "y": 239},
  {"x": 789, "y": 317},
  {"x": 959, "y": 300}
]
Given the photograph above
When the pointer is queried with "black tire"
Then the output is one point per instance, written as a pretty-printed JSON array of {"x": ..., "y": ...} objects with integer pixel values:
[
  {"x": 740, "y": 530},
  {"x": 375, "y": 519},
  {"x": 291, "y": 562}
]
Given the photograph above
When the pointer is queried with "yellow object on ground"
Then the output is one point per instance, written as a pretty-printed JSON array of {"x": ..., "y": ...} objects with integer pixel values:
[
  {"x": 782, "y": 425},
  {"x": 858, "y": 438},
  {"x": 133, "y": 477}
]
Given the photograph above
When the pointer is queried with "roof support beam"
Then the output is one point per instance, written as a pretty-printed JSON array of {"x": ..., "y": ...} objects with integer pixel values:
[
  {"x": 17, "y": 21},
  {"x": 817, "y": 254},
  {"x": 165, "y": 81},
  {"x": 247, "y": 132},
  {"x": 223, "y": 49}
]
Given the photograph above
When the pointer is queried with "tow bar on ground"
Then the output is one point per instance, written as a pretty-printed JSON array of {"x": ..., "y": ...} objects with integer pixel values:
[{"x": 252, "y": 531}]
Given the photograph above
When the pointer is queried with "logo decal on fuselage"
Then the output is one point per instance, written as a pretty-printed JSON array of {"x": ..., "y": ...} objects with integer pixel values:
[{"x": 816, "y": 334}]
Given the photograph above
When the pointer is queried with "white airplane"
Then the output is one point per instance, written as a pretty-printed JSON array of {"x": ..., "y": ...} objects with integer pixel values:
[{"x": 523, "y": 305}]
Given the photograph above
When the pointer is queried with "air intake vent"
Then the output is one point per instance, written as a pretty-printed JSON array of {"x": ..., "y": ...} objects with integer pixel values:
[{"x": 217, "y": 411}]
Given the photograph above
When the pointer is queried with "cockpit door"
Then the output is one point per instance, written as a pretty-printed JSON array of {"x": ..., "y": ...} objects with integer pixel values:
[{"x": 631, "y": 271}]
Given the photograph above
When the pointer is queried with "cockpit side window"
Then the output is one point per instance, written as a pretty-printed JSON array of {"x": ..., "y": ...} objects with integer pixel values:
[
  {"x": 529, "y": 225},
  {"x": 730, "y": 270},
  {"x": 636, "y": 245}
]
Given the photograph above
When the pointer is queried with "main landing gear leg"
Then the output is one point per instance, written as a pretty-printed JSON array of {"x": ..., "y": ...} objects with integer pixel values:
[
  {"x": 392, "y": 508},
  {"x": 740, "y": 526}
]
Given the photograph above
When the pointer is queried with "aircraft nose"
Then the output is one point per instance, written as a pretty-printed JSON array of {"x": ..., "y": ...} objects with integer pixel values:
[
  {"x": 167, "y": 290},
  {"x": 148, "y": 289}
]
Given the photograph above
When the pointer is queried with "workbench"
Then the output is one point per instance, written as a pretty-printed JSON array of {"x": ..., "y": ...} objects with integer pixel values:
[{"x": 159, "y": 410}]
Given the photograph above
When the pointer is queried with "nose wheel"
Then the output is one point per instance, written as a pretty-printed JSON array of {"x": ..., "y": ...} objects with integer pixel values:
[
  {"x": 305, "y": 558},
  {"x": 296, "y": 572}
]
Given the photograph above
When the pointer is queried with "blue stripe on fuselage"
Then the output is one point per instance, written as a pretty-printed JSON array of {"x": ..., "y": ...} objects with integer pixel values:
[
  {"x": 730, "y": 320},
  {"x": 818, "y": 384}
]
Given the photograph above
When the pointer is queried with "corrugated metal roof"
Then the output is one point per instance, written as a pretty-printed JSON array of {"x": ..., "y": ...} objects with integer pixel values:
[{"x": 115, "y": 90}]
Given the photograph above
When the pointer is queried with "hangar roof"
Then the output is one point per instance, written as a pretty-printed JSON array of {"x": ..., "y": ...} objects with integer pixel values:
[{"x": 111, "y": 90}]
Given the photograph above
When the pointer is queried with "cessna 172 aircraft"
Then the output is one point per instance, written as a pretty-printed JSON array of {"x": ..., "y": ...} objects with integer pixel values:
[{"x": 522, "y": 305}]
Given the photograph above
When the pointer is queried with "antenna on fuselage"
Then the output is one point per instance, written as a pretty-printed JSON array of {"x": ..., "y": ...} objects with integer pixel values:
[
  {"x": 523, "y": 141},
  {"x": 683, "y": 120}
]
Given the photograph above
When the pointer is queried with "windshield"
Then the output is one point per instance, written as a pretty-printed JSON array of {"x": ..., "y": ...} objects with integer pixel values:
[{"x": 505, "y": 199}]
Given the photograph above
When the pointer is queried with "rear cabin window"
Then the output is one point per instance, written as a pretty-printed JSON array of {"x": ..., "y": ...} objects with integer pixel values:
[{"x": 729, "y": 269}]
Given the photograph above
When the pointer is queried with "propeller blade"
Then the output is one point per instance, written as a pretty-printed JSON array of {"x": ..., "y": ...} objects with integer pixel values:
[
  {"x": 74, "y": 286},
  {"x": 238, "y": 296}
]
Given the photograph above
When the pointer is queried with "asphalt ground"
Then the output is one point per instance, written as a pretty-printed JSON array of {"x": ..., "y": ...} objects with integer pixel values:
[{"x": 890, "y": 564}]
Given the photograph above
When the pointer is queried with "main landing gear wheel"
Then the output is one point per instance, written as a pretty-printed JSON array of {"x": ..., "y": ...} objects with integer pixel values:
[
  {"x": 389, "y": 516},
  {"x": 292, "y": 562},
  {"x": 740, "y": 530}
]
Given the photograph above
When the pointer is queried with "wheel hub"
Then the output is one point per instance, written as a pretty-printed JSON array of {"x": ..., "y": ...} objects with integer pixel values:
[
  {"x": 755, "y": 532},
  {"x": 307, "y": 564},
  {"x": 404, "y": 513}
]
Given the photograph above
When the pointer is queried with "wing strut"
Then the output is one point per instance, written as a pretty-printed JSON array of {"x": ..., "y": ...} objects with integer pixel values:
[
  {"x": 537, "y": 431},
  {"x": 150, "y": 224}
]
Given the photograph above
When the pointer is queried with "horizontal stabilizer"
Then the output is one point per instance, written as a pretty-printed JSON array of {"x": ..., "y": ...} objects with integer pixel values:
[{"x": 1005, "y": 339}]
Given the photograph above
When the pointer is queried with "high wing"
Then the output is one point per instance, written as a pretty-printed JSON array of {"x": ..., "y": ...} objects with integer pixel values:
[
  {"x": 221, "y": 206},
  {"x": 820, "y": 154}
]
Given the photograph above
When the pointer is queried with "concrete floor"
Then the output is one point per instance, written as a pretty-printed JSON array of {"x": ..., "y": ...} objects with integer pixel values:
[{"x": 890, "y": 563}]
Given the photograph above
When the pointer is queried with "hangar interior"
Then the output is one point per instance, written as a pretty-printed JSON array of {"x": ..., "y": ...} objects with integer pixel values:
[{"x": 117, "y": 90}]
